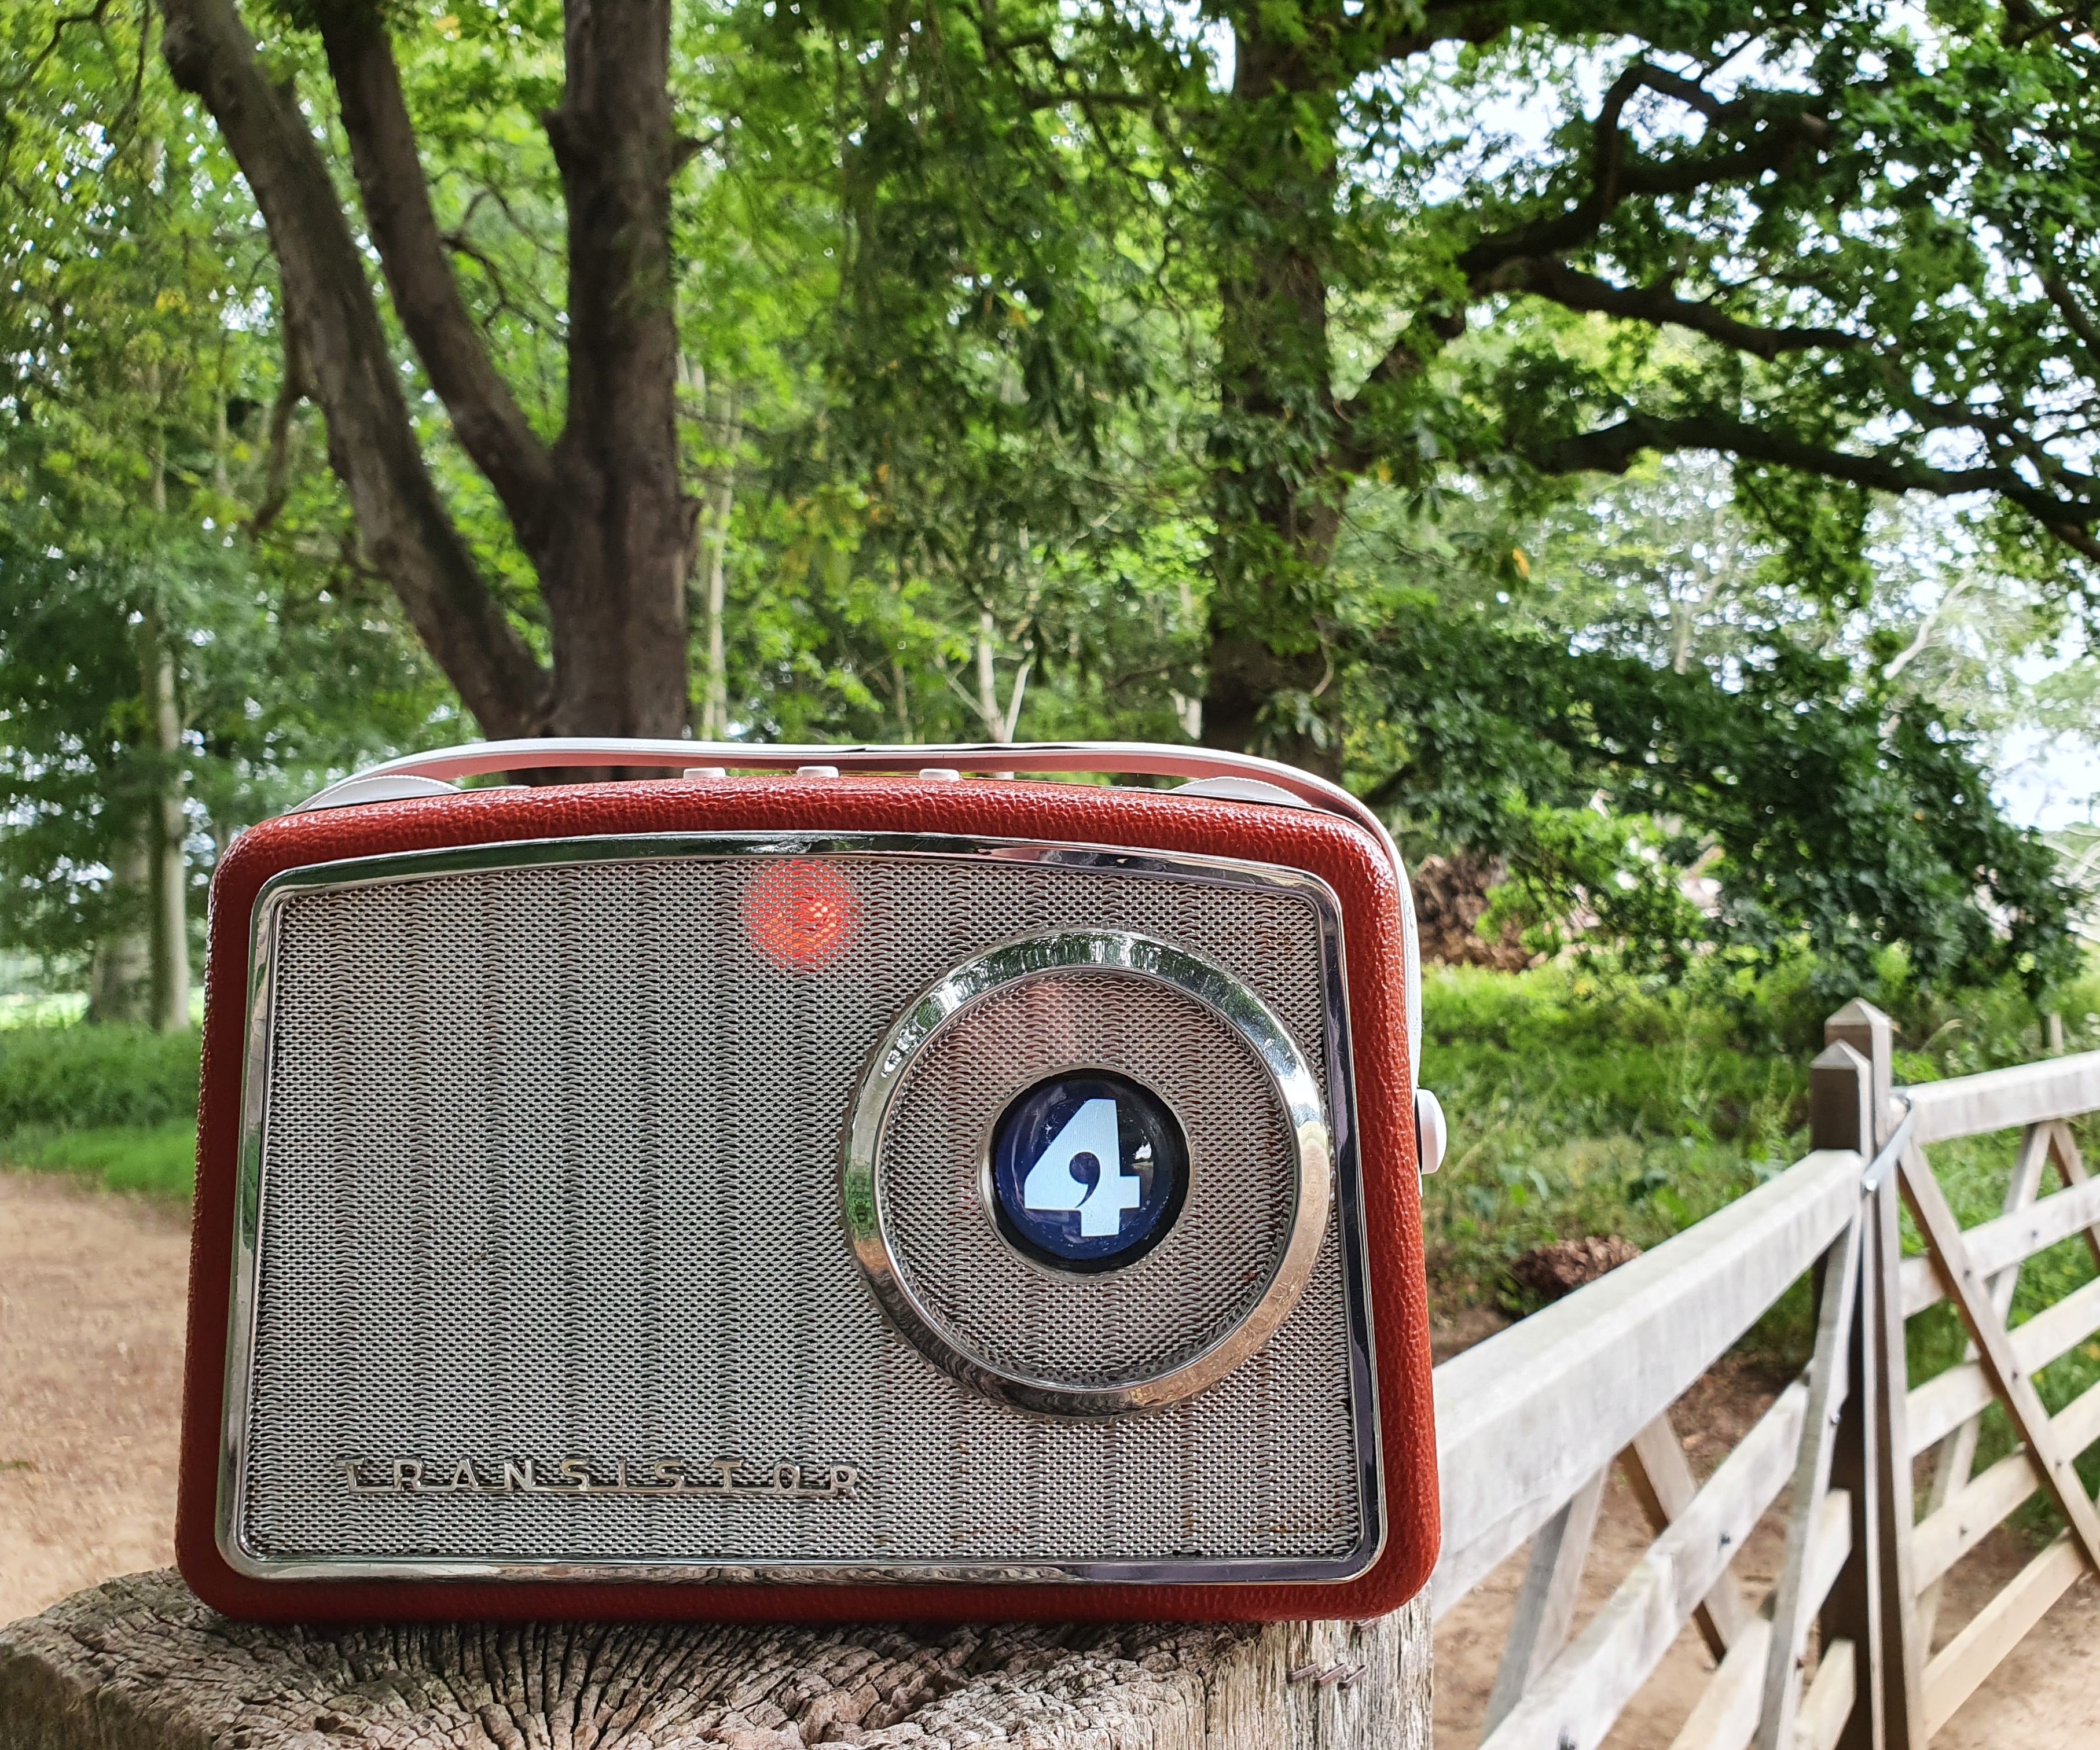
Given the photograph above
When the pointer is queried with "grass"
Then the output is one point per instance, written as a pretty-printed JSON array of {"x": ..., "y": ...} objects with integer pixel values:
[
  {"x": 28, "y": 1008},
  {"x": 79, "y": 1078},
  {"x": 155, "y": 1161},
  {"x": 1584, "y": 1103}
]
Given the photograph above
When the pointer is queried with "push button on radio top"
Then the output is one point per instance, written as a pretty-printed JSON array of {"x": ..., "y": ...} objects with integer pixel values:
[{"x": 1087, "y": 1171}]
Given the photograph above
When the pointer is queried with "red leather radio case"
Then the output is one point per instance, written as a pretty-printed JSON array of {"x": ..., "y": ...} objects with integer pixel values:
[{"x": 588, "y": 1222}]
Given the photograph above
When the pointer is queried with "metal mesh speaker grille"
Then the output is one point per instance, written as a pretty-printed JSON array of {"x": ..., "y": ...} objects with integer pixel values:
[
  {"x": 1171, "y": 1305},
  {"x": 550, "y": 1171}
]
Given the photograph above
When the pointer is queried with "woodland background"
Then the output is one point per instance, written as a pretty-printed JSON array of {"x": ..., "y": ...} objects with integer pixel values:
[{"x": 1646, "y": 449}]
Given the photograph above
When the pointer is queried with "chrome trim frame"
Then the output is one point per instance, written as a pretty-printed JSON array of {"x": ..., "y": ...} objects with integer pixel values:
[
  {"x": 1043, "y": 956},
  {"x": 249, "y": 1191}
]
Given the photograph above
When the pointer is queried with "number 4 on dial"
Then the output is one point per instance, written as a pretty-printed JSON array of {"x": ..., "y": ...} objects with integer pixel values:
[{"x": 1052, "y": 1184}]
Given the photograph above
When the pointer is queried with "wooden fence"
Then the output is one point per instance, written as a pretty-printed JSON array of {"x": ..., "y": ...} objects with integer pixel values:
[{"x": 1532, "y": 1423}]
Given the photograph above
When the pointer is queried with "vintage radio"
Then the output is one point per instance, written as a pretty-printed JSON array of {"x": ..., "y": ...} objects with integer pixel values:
[{"x": 879, "y": 1183}]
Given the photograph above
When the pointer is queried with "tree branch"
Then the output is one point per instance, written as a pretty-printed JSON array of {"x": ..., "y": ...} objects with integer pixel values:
[
  {"x": 60, "y": 23},
  {"x": 1612, "y": 449},
  {"x": 1555, "y": 280},
  {"x": 490, "y": 425},
  {"x": 1522, "y": 256},
  {"x": 277, "y": 468},
  {"x": 1782, "y": 129},
  {"x": 1477, "y": 22},
  {"x": 372, "y": 443},
  {"x": 2076, "y": 317},
  {"x": 1923, "y": 642},
  {"x": 1418, "y": 341}
]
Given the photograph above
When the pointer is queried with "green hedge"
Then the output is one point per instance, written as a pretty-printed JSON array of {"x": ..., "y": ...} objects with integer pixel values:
[
  {"x": 83, "y": 1077},
  {"x": 1583, "y": 1101}
]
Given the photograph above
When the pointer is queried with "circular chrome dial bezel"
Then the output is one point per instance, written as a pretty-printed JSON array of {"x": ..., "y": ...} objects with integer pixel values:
[{"x": 1048, "y": 954}]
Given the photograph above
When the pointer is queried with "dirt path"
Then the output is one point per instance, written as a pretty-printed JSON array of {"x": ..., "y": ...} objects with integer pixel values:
[
  {"x": 90, "y": 1371},
  {"x": 92, "y": 1291}
]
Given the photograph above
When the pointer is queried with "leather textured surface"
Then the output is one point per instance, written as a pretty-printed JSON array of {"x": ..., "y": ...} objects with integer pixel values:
[{"x": 1324, "y": 845}]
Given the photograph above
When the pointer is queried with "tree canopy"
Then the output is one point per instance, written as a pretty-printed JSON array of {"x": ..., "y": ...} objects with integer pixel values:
[{"x": 1347, "y": 382}]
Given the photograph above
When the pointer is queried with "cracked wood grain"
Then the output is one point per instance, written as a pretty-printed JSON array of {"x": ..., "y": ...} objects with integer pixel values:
[{"x": 139, "y": 1664}]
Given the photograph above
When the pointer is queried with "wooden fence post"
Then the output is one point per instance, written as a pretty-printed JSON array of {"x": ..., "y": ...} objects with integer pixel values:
[
  {"x": 1903, "y": 1649},
  {"x": 1875, "y": 1597},
  {"x": 140, "y": 1663},
  {"x": 1841, "y": 1099},
  {"x": 1872, "y": 1034},
  {"x": 1848, "y": 1091}
]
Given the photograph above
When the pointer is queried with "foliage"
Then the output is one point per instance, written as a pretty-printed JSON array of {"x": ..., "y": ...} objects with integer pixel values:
[
  {"x": 1826, "y": 809},
  {"x": 1613, "y": 872},
  {"x": 158, "y": 494},
  {"x": 1583, "y": 1102},
  {"x": 1529, "y": 242},
  {"x": 284, "y": 679},
  {"x": 1830, "y": 803},
  {"x": 985, "y": 470},
  {"x": 1290, "y": 376},
  {"x": 64, "y": 1077},
  {"x": 1586, "y": 1099}
]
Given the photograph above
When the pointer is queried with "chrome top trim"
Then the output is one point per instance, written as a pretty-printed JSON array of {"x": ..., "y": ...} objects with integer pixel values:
[{"x": 249, "y": 1191}]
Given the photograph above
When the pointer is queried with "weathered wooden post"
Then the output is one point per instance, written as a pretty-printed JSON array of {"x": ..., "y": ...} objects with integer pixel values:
[
  {"x": 1871, "y": 1602},
  {"x": 1842, "y": 1104},
  {"x": 139, "y": 1665}
]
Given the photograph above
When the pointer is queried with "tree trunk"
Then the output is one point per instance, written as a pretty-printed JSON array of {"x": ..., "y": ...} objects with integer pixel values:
[
  {"x": 402, "y": 522},
  {"x": 1188, "y": 709},
  {"x": 119, "y": 979},
  {"x": 1279, "y": 494},
  {"x": 139, "y": 1665},
  {"x": 999, "y": 722},
  {"x": 615, "y": 579},
  {"x": 901, "y": 696},
  {"x": 166, "y": 827},
  {"x": 989, "y": 714},
  {"x": 600, "y": 512},
  {"x": 721, "y": 502}
]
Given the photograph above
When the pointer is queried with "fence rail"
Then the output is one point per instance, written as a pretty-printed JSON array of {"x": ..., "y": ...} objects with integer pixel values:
[
  {"x": 1979, "y": 1270},
  {"x": 1533, "y": 1422}
]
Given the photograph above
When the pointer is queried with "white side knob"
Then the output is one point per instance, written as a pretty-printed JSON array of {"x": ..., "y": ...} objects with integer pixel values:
[{"x": 1432, "y": 1135}]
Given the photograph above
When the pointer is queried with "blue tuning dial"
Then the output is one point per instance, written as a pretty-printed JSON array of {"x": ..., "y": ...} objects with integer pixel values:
[{"x": 1088, "y": 1171}]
